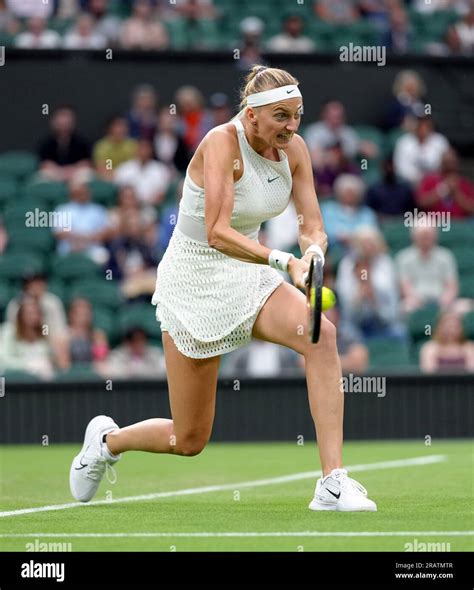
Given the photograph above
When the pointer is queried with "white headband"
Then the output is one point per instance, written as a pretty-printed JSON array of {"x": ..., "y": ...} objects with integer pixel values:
[{"x": 259, "y": 99}]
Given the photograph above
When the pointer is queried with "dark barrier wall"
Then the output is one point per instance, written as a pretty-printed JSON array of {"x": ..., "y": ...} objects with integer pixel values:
[
  {"x": 261, "y": 410},
  {"x": 99, "y": 87}
]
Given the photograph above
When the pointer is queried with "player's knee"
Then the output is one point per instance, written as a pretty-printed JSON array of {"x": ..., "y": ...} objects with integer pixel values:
[
  {"x": 191, "y": 445},
  {"x": 327, "y": 338}
]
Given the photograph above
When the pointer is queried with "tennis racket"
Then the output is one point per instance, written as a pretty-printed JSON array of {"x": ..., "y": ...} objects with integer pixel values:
[{"x": 314, "y": 286}]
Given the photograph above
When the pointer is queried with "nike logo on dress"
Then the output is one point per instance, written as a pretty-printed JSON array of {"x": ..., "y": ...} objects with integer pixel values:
[
  {"x": 82, "y": 465},
  {"x": 272, "y": 179},
  {"x": 290, "y": 91},
  {"x": 335, "y": 495}
]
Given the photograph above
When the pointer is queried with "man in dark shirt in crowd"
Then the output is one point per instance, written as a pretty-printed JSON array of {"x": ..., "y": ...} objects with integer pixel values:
[
  {"x": 63, "y": 152},
  {"x": 391, "y": 196}
]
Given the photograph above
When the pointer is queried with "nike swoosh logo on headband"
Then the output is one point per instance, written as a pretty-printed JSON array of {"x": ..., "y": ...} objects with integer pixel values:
[{"x": 290, "y": 91}]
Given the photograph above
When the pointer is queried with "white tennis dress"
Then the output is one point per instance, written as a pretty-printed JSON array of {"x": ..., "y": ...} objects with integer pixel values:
[{"x": 208, "y": 301}]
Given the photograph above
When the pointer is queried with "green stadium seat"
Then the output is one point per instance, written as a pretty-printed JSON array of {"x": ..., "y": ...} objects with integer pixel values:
[
  {"x": 74, "y": 266},
  {"x": 464, "y": 257},
  {"x": 37, "y": 239},
  {"x": 396, "y": 235},
  {"x": 460, "y": 232},
  {"x": 105, "y": 320},
  {"x": 176, "y": 28},
  {"x": 22, "y": 211},
  {"x": 142, "y": 315},
  {"x": 391, "y": 139},
  {"x": 466, "y": 288},
  {"x": 57, "y": 287},
  {"x": 52, "y": 193},
  {"x": 8, "y": 190},
  {"x": 468, "y": 324},
  {"x": 78, "y": 372},
  {"x": 7, "y": 292},
  {"x": 6, "y": 39},
  {"x": 370, "y": 133},
  {"x": 17, "y": 376},
  {"x": 99, "y": 291},
  {"x": 388, "y": 353},
  {"x": 19, "y": 164},
  {"x": 102, "y": 192},
  {"x": 13, "y": 265},
  {"x": 422, "y": 322}
]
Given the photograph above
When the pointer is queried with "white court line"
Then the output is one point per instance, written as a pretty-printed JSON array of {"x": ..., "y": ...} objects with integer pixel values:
[
  {"x": 232, "y": 486},
  {"x": 245, "y": 534}
]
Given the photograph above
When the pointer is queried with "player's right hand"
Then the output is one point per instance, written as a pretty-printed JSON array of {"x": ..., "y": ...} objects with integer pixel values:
[{"x": 298, "y": 269}]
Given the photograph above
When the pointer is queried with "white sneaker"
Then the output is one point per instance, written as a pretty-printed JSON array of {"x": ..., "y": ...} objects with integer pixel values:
[
  {"x": 88, "y": 467},
  {"x": 339, "y": 492}
]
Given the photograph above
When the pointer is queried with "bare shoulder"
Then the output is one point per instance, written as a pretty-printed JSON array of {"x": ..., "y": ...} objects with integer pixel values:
[{"x": 224, "y": 135}]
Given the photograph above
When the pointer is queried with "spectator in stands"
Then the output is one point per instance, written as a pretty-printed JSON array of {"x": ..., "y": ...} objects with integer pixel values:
[
  {"x": 168, "y": 219},
  {"x": 407, "y": 103},
  {"x": 424, "y": 7},
  {"x": 391, "y": 197},
  {"x": 8, "y": 22},
  {"x": 449, "y": 350},
  {"x": 129, "y": 205},
  {"x": 221, "y": 108},
  {"x": 399, "y": 35},
  {"x": 427, "y": 272},
  {"x": 419, "y": 152},
  {"x": 83, "y": 35},
  {"x": 113, "y": 149},
  {"x": 26, "y": 345},
  {"x": 250, "y": 45},
  {"x": 67, "y": 9},
  {"x": 337, "y": 11},
  {"x": 291, "y": 39},
  {"x": 84, "y": 227},
  {"x": 460, "y": 36},
  {"x": 446, "y": 190},
  {"x": 194, "y": 120},
  {"x": 86, "y": 343},
  {"x": 168, "y": 143},
  {"x": 149, "y": 178},
  {"x": 142, "y": 115},
  {"x": 196, "y": 9},
  {"x": 375, "y": 11},
  {"x": 3, "y": 237},
  {"x": 135, "y": 358},
  {"x": 367, "y": 288},
  {"x": 106, "y": 24},
  {"x": 335, "y": 163},
  {"x": 262, "y": 359},
  {"x": 133, "y": 260},
  {"x": 35, "y": 286},
  {"x": 142, "y": 30},
  {"x": 346, "y": 214},
  {"x": 25, "y": 9},
  {"x": 353, "y": 354},
  {"x": 63, "y": 152},
  {"x": 37, "y": 36}
]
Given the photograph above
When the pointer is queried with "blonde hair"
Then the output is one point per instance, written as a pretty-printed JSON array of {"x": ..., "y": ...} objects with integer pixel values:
[{"x": 261, "y": 78}]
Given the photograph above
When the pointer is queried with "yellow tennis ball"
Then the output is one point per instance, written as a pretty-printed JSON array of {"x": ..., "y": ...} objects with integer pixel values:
[{"x": 328, "y": 298}]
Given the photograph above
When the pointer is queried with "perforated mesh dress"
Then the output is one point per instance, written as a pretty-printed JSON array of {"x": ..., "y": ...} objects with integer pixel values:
[{"x": 207, "y": 301}]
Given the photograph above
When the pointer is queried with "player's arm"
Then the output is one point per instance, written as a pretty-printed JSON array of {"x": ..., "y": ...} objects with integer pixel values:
[
  {"x": 310, "y": 221},
  {"x": 219, "y": 154}
]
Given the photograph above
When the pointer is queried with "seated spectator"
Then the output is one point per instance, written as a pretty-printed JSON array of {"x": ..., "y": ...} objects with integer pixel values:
[
  {"x": 427, "y": 272},
  {"x": 149, "y": 178},
  {"x": 367, "y": 289},
  {"x": 337, "y": 11},
  {"x": 375, "y": 11},
  {"x": 460, "y": 37},
  {"x": 86, "y": 343},
  {"x": 8, "y": 22},
  {"x": 346, "y": 214},
  {"x": 106, "y": 24},
  {"x": 63, "y": 152},
  {"x": 142, "y": 115},
  {"x": 83, "y": 35},
  {"x": 390, "y": 197},
  {"x": 133, "y": 260},
  {"x": 135, "y": 358},
  {"x": 335, "y": 163},
  {"x": 250, "y": 44},
  {"x": 25, "y": 9},
  {"x": 35, "y": 286},
  {"x": 419, "y": 152},
  {"x": 407, "y": 103},
  {"x": 449, "y": 350},
  {"x": 169, "y": 145},
  {"x": 37, "y": 36},
  {"x": 446, "y": 190},
  {"x": 353, "y": 354},
  {"x": 398, "y": 37},
  {"x": 27, "y": 346},
  {"x": 221, "y": 108},
  {"x": 291, "y": 39},
  {"x": 194, "y": 120},
  {"x": 67, "y": 10},
  {"x": 424, "y": 7},
  {"x": 129, "y": 205},
  {"x": 87, "y": 228},
  {"x": 114, "y": 149},
  {"x": 143, "y": 30},
  {"x": 263, "y": 359}
]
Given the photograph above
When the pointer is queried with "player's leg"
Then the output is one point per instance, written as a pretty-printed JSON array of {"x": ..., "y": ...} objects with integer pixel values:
[
  {"x": 192, "y": 385},
  {"x": 335, "y": 491}
]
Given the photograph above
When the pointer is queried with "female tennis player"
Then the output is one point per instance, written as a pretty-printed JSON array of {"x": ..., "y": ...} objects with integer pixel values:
[{"x": 217, "y": 287}]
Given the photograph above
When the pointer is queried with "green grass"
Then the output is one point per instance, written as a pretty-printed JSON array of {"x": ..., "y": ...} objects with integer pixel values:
[{"x": 436, "y": 497}]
